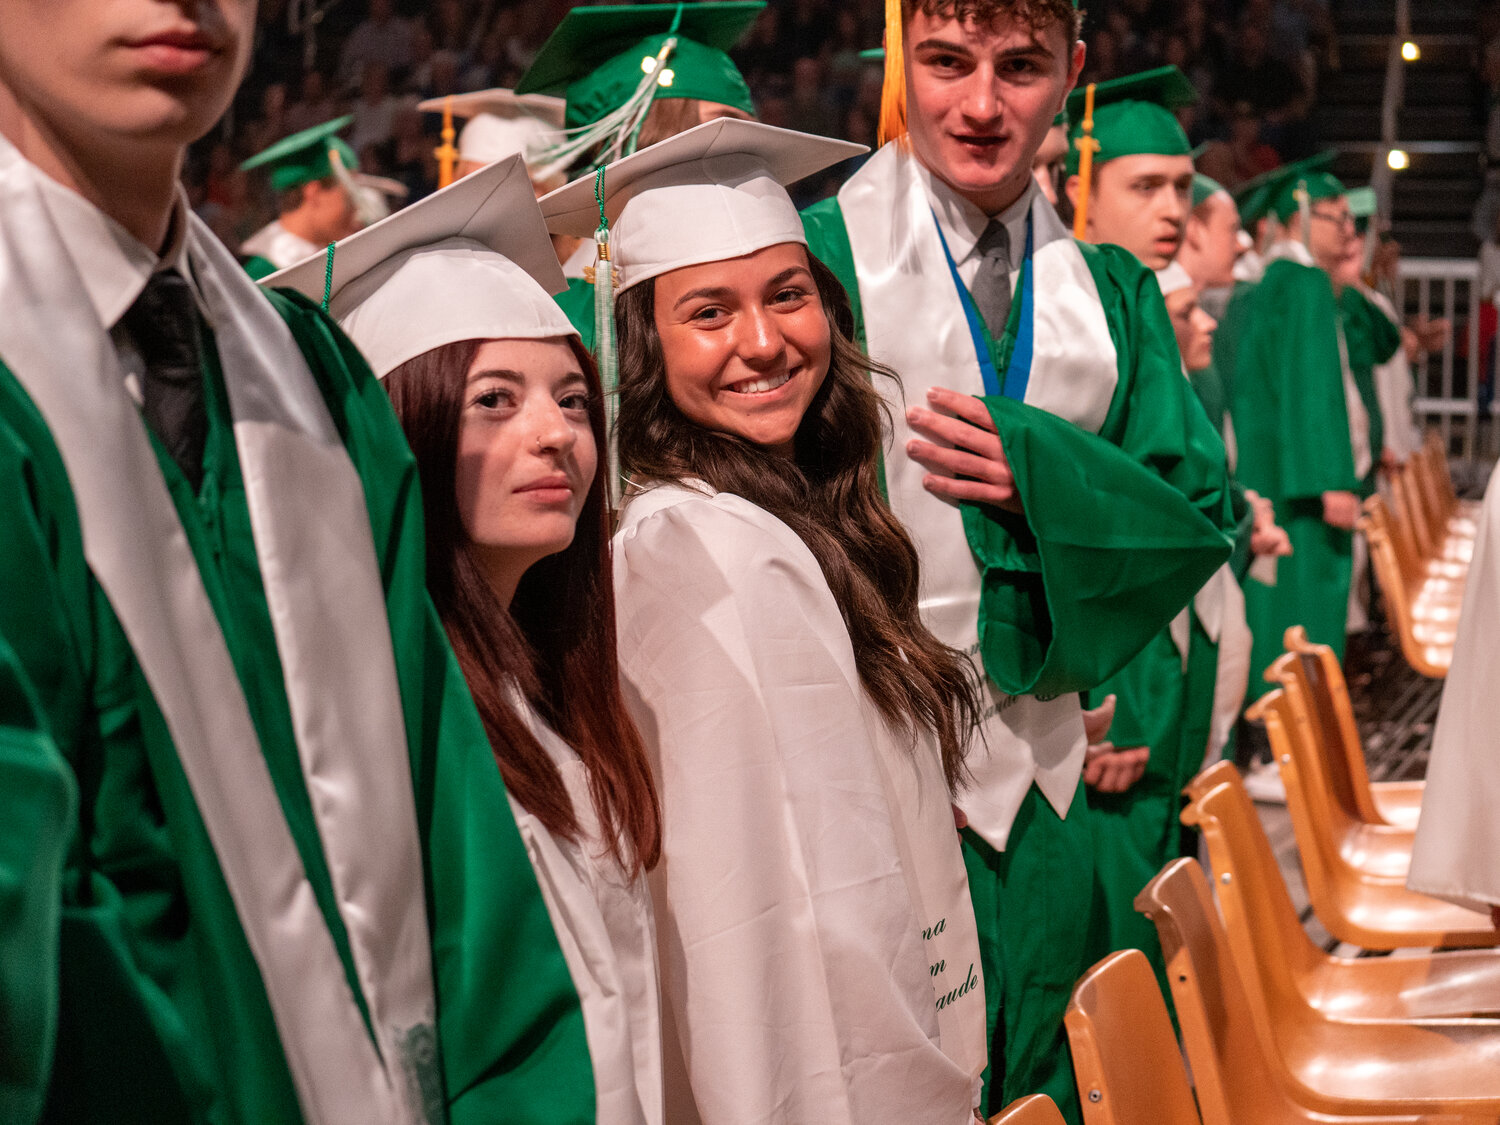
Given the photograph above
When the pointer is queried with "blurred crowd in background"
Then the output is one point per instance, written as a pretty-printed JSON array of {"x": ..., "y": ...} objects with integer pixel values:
[{"x": 1257, "y": 65}]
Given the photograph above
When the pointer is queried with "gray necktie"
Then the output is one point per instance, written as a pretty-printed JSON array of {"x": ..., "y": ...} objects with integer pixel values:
[
  {"x": 991, "y": 288},
  {"x": 164, "y": 323}
]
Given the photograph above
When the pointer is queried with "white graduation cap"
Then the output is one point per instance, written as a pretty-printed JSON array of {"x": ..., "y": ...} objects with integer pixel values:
[
  {"x": 470, "y": 262},
  {"x": 709, "y": 194},
  {"x": 503, "y": 123}
]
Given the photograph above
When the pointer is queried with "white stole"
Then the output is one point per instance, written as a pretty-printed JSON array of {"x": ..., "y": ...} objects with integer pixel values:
[
  {"x": 322, "y": 582},
  {"x": 915, "y": 323}
]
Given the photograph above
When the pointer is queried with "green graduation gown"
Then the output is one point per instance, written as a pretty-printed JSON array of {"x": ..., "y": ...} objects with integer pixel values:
[
  {"x": 1292, "y": 425},
  {"x": 1120, "y": 528},
  {"x": 160, "y": 1013}
]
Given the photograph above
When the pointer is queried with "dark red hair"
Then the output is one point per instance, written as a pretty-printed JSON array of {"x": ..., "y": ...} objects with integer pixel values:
[{"x": 556, "y": 641}]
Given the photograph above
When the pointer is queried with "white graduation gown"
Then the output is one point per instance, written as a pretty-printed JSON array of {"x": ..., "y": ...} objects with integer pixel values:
[
  {"x": 604, "y": 925},
  {"x": 820, "y": 962},
  {"x": 1456, "y": 855}
]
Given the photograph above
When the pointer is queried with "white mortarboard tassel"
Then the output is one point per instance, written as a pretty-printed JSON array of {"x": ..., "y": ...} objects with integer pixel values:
[{"x": 470, "y": 262}]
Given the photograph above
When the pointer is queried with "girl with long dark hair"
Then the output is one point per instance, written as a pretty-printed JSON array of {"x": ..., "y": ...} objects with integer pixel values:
[
  {"x": 503, "y": 410},
  {"x": 819, "y": 956}
]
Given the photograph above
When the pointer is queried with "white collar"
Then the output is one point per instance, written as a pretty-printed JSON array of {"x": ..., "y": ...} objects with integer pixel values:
[
  {"x": 962, "y": 223},
  {"x": 1291, "y": 250},
  {"x": 115, "y": 266}
]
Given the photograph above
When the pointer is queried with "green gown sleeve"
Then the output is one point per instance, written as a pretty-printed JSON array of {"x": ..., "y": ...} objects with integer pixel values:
[
  {"x": 1105, "y": 556},
  {"x": 1289, "y": 409},
  {"x": 37, "y": 798},
  {"x": 509, "y": 1020}
]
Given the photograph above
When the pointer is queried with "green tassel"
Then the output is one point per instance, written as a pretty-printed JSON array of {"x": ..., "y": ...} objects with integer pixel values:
[
  {"x": 604, "y": 346},
  {"x": 328, "y": 276}
]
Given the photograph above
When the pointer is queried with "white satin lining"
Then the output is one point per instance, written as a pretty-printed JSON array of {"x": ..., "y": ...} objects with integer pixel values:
[{"x": 304, "y": 496}]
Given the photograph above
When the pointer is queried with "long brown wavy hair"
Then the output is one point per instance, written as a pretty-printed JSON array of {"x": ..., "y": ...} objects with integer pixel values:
[
  {"x": 556, "y": 641},
  {"x": 829, "y": 494}
]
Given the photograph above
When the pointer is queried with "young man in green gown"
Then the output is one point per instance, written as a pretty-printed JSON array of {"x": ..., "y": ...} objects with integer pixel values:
[
  {"x": 314, "y": 203},
  {"x": 293, "y": 890},
  {"x": 1305, "y": 435},
  {"x": 1064, "y": 490}
]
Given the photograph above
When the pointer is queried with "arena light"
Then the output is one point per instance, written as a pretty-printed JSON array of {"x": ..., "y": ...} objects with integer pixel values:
[
  {"x": 1410, "y": 51},
  {"x": 1398, "y": 160}
]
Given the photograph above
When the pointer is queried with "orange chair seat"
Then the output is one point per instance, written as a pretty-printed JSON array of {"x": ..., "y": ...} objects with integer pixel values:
[
  {"x": 1399, "y": 802},
  {"x": 1378, "y": 850}
]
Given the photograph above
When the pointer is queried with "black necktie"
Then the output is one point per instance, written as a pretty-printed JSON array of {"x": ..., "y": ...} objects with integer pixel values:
[
  {"x": 163, "y": 323},
  {"x": 991, "y": 288}
]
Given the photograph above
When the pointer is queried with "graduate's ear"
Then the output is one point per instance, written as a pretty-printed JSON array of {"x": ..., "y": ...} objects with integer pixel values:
[{"x": 1071, "y": 190}]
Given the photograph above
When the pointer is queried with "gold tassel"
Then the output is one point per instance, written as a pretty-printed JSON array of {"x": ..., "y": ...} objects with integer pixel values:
[
  {"x": 446, "y": 153},
  {"x": 1087, "y": 146},
  {"x": 892, "y": 123}
]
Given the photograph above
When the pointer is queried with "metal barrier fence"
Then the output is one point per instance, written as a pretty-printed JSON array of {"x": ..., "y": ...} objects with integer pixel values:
[{"x": 1451, "y": 394}]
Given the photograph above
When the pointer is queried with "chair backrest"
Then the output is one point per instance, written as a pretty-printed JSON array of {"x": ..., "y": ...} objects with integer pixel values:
[
  {"x": 1382, "y": 515},
  {"x": 1320, "y": 686},
  {"x": 1260, "y": 918},
  {"x": 1409, "y": 508},
  {"x": 1125, "y": 1054},
  {"x": 1232, "y": 1071},
  {"x": 1038, "y": 1109},
  {"x": 1395, "y": 586},
  {"x": 1306, "y": 745},
  {"x": 1428, "y": 466}
]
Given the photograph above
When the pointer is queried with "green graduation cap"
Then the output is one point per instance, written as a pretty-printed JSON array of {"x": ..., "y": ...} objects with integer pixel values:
[
  {"x": 1133, "y": 116},
  {"x": 305, "y": 157},
  {"x": 599, "y": 58},
  {"x": 1284, "y": 185},
  {"x": 1204, "y": 187}
]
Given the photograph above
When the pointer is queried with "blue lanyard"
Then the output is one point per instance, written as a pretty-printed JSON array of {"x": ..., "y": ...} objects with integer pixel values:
[{"x": 1018, "y": 372}]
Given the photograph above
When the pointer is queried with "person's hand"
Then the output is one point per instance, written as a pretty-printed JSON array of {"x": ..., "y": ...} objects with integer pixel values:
[
  {"x": 1104, "y": 768},
  {"x": 1389, "y": 462},
  {"x": 970, "y": 463},
  {"x": 1341, "y": 510},
  {"x": 1267, "y": 537},
  {"x": 1108, "y": 770}
]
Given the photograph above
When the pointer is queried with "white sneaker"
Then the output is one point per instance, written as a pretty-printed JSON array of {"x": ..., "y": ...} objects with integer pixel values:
[{"x": 1264, "y": 784}]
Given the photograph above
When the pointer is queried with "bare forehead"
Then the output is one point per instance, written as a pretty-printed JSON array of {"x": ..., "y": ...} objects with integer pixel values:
[{"x": 1147, "y": 166}]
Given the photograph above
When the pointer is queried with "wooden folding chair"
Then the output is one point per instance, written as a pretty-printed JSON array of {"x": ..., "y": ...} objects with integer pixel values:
[
  {"x": 1460, "y": 517},
  {"x": 1038, "y": 1109},
  {"x": 1427, "y": 647},
  {"x": 1125, "y": 1053},
  {"x": 1262, "y": 927},
  {"x": 1373, "y": 851},
  {"x": 1366, "y": 911},
  {"x": 1320, "y": 681},
  {"x": 1258, "y": 1058}
]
